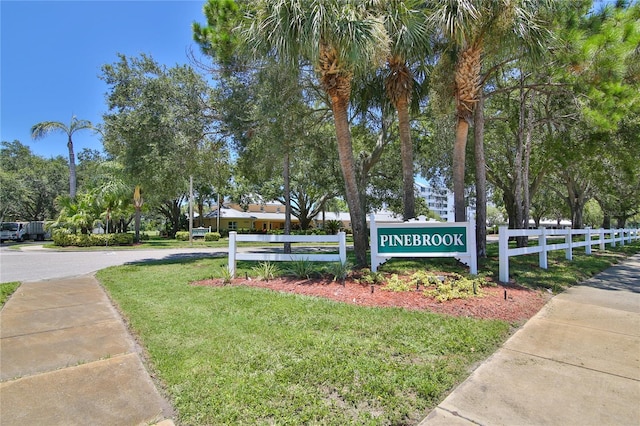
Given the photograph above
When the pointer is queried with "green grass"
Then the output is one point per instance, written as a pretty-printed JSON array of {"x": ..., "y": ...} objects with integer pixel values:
[
  {"x": 6, "y": 290},
  {"x": 524, "y": 270},
  {"x": 240, "y": 355}
]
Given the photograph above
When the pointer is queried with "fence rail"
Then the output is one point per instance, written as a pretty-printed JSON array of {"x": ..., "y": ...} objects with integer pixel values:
[
  {"x": 604, "y": 236},
  {"x": 234, "y": 255}
]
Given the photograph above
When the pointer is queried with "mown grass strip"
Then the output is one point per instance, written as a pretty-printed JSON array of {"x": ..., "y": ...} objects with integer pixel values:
[
  {"x": 6, "y": 290},
  {"x": 239, "y": 355}
]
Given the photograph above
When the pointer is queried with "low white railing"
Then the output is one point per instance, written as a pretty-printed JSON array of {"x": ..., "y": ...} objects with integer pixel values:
[
  {"x": 604, "y": 236},
  {"x": 234, "y": 255}
]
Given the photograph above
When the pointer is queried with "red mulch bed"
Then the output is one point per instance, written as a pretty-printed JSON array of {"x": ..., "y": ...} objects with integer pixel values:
[{"x": 519, "y": 305}]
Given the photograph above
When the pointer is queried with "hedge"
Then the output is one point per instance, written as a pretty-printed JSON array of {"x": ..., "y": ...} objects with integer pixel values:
[{"x": 64, "y": 238}]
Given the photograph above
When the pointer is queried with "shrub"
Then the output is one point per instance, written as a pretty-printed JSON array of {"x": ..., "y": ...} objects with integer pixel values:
[
  {"x": 332, "y": 226},
  {"x": 212, "y": 236},
  {"x": 369, "y": 277},
  {"x": 266, "y": 270},
  {"x": 224, "y": 273},
  {"x": 338, "y": 270},
  {"x": 395, "y": 283},
  {"x": 456, "y": 287},
  {"x": 64, "y": 238},
  {"x": 301, "y": 268},
  {"x": 182, "y": 236}
]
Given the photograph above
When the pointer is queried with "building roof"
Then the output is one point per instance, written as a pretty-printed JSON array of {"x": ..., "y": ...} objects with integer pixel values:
[{"x": 229, "y": 213}]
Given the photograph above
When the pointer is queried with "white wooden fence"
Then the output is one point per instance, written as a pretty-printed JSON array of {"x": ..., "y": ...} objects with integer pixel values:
[
  {"x": 592, "y": 237},
  {"x": 234, "y": 255}
]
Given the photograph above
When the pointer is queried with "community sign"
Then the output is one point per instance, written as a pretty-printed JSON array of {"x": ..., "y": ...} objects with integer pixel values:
[{"x": 419, "y": 238}]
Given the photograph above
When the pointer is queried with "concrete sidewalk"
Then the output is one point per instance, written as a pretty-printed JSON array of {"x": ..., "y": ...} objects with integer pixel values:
[
  {"x": 577, "y": 362},
  {"x": 66, "y": 358}
]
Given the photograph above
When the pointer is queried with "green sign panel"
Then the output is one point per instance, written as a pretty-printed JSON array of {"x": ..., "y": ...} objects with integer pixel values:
[{"x": 448, "y": 239}]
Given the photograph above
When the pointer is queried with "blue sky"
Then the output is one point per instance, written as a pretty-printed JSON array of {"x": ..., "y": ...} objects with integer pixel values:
[{"x": 52, "y": 52}]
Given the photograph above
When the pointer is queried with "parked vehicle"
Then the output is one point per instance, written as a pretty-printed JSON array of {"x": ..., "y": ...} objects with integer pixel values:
[
  {"x": 35, "y": 230},
  {"x": 20, "y": 231},
  {"x": 12, "y": 231}
]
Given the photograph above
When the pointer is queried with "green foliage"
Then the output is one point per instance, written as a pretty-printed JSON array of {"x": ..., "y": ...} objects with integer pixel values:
[
  {"x": 395, "y": 283},
  {"x": 65, "y": 238},
  {"x": 212, "y": 236},
  {"x": 225, "y": 274},
  {"x": 366, "y": 276},
  {"x": 29, "y": 184},
  {"x": 338, "y": 270},
  {"x": 332, "y": 226},
  {"x": 456, "y": 286},
  {"x": 182, "y": 236},
  {"x": 302, "y": 268},
  {"x": 424, "y": 278},
  {"x": 266, "y": 270},
  {"x": 6, "y": 290}
]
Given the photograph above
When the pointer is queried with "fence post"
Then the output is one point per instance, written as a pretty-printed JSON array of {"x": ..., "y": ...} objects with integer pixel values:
[
  {"x": 569, "y": 242},
  {"x": 471, "y": 247},
  {"x": 503, "y": 253},
  {"x": 613, "y": 238},
  {"x": 601, "y": 238},
  {"x": 343, "y": 247},
  {"x": 622, "y": 237},
  {"x": 232, "y": 253},
  {"x": 587, "y": 248},
  {"x": 542, "y": 242},
  {"x": 373, "y": 230}
]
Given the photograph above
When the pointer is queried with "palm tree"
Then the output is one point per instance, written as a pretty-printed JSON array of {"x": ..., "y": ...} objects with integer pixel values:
[
  {"x": 42, "y": 129},
  {"x": 409, "y": 34},
  {"x": 339, "y": 38},
  {"x": 471, "y": 28}
]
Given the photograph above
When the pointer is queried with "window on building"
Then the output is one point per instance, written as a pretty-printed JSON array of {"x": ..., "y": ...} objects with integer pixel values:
[{"x": 233, "y": 226}]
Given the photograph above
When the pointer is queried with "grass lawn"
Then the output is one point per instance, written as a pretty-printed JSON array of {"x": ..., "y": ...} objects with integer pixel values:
[
  {"x": 240, "y": 355},
  {"x": 6, "y": 290}
]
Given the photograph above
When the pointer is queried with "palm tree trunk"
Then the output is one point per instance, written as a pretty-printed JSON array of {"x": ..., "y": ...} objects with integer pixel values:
[
  {"x": 339, "y": 105},
  {"x": 459, "y": 151},
  {"x": 406, "y": 152},
  {"x": 72, "y": 169},
  {"x": 481, "y": 179}
]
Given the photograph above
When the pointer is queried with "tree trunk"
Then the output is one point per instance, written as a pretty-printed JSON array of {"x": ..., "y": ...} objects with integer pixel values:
[
  {"x": 467, "y": 88},
  {"x": 72, "y": 170},
  {"x": 287, "y": 199},
  {"x": 339, "y": 105},
  {"x": 526, "y": 187},
  {"x": 459, "y": 151},
  {"x": 137, "y": 226},
  {"x": 406, "y": 152},
  {"x": 517, "y": 167},
  {"x": 481, "y": 179}
]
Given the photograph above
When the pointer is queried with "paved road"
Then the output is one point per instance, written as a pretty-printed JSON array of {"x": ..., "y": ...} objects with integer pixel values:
[{"x": 32, "y": 263}]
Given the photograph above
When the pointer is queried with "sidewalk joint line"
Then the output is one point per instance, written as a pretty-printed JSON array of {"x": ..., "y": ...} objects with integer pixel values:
[
  {"x": 35, "y": 333},
  {"x": 573, "y": 365},
  {"x": 588, "y": 327},
  {"x": 456, "y": 414}
]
